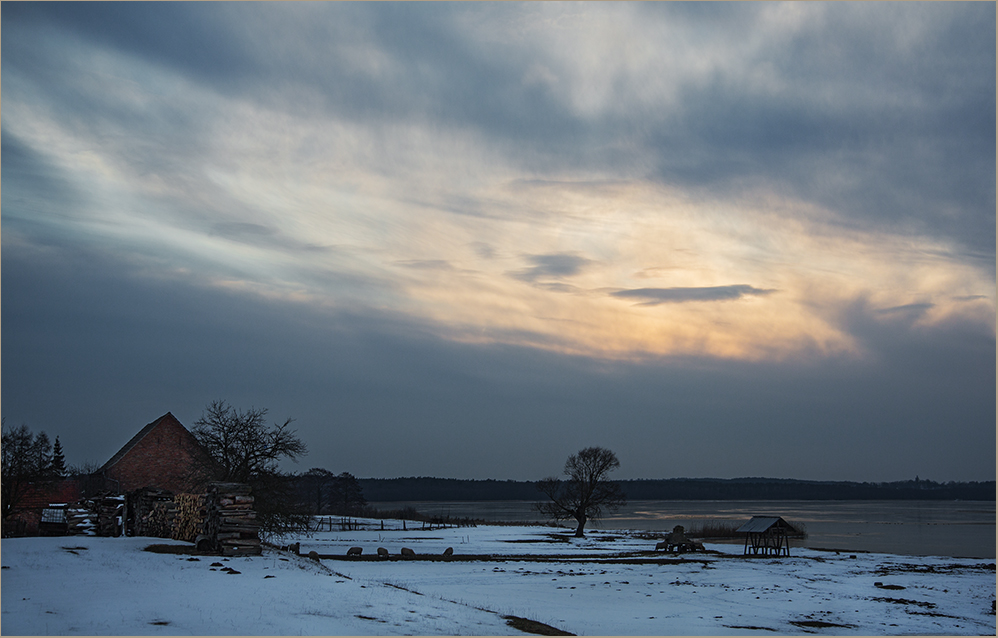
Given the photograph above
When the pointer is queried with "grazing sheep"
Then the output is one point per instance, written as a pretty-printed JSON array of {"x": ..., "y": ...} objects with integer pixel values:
[
  {"x": 407, "y": 553},
  {"x": 662, "y": 545},
  {"x": 449, "y": 551},
  {"x": 355, "y": 551},
  {"x": 314, "y": 555},
  {"x": 382, "y": 552}
]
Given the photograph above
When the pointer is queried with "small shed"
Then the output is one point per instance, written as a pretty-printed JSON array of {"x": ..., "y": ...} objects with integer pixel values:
[
  {"x": 53, "y": 521},
  {"x": 767, "y": 535}
]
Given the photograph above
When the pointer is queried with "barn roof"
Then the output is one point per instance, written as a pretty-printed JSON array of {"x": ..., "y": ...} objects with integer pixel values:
[
  {"x": 135, "y": 440},
  {"x": 760, "y": 524}
]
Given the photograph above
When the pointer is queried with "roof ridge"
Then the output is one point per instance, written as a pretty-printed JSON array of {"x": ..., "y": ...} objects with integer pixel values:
[{"x": 135, "y": 440}]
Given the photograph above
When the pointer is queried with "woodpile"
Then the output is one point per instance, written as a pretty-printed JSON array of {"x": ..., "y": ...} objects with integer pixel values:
[
  {"x": 222, "y": 519},
  {"x": 152, "y": 512},
  {"x": 159, "y": 522},
  {"x": 109, "y": 512},
  {"x": 192, "y": 517},
  {"x": 80, "y": 521},
  {"x": 237, "y": 527}
]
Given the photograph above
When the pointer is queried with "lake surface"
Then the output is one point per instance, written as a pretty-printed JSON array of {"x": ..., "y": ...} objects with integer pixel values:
[{"x": 918, "y": 528}]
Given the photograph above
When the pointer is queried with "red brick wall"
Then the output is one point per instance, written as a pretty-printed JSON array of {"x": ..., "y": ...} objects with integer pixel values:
[
  {"x": 163, "y": 459},
  {"x": 38, "y": 497}
]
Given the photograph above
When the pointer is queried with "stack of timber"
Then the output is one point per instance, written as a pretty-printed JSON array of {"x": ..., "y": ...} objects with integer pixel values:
[
  {"x": 151, "y": 512},
  {"x": 109, "y": 512},
  {"x": 80, "y": 521},
  {"x": 192, "y": 517},
  {"x": 160, "y": 521},
  {"x": 237, "y": 531}
]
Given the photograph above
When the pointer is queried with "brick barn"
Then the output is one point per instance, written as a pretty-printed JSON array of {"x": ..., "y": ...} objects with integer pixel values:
[
  {"x": 37, "y": 498},
  {"x": 164, "y": 455}
]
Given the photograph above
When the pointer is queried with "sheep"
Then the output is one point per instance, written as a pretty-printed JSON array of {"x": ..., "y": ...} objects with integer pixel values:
[
  {"x": 382, "y": 552},
  {"x": 449, "y": 551},
  {"x": 407, "y": 553},
  {"x": 314, "y": 555},
  {"x": 355, "y": 551},
  {"x": 295, "y": 547},
  {"x": 663, "y": 545}
]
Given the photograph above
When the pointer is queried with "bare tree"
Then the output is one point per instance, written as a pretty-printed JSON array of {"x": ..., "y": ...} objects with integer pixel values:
[
  {"x": 241, "y": 444},
  {"x": 243, "y": 449},
  {"x": 313, "y": 488},
  {"x": 346, "y": 498},
  {"x": 27, "y": 461},
  {"x": 586, "y": 493}
]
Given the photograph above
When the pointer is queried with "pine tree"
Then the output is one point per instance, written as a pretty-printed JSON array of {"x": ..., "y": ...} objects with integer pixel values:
[{"x": 58, "y": 465}]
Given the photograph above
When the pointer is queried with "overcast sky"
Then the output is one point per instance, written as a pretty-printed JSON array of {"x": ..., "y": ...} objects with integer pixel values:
[{"x": 468, "y": 240}]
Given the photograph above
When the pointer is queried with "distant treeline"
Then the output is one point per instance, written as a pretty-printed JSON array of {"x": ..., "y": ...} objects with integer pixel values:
[{"x": 707, "y": 489}]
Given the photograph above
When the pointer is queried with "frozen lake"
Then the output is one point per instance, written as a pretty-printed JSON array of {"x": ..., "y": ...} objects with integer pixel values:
[{"x": 917, "y": 528}]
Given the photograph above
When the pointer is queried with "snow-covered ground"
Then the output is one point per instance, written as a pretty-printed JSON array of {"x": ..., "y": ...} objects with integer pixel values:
[{"x": 609, "y": 583}]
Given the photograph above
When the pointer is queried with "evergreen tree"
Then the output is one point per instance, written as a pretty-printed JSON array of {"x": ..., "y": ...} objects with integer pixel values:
[{"x": 58, "y": 465}]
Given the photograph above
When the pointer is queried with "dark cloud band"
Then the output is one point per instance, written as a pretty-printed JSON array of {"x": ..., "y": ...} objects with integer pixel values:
[{"x": 656, "y": 296}]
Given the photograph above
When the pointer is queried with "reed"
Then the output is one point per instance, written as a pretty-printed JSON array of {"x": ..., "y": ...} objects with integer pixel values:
[{"x": 726, "y": 529}]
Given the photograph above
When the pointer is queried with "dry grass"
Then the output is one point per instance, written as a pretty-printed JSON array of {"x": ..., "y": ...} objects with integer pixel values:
[{"x": 726, "y": 529}]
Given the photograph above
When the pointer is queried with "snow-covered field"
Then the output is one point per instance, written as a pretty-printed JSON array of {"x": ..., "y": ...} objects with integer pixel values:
[{"x": 609, "y": 583}]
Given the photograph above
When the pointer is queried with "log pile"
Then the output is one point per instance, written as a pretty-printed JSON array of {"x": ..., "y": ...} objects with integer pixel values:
[
  {"x": 237, "y": 529},
  {"x": 151, "y": 512},
  {"x": 80, "y": 521},
  {"x": 109, "y": 512},
  {"x": 160, "y": 521},
  {"x": 192, "y": 517}
]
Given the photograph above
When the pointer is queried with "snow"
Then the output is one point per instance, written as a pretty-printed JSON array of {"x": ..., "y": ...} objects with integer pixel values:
[{"x": 609, "y": 583}]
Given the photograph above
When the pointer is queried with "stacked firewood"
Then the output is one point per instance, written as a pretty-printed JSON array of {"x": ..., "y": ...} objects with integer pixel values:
[
  {"x": 192, "y": 517},
  {"x": 232, "y": 508},
  {"x": 160, "y": 521},
  {"x": 109, "y": 513},
  {"x": 144, "y": 503},
  {"x": 81, "y": 521}
]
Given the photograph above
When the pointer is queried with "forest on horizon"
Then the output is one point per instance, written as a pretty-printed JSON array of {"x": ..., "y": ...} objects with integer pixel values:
[{"x": 444, "y": 489}]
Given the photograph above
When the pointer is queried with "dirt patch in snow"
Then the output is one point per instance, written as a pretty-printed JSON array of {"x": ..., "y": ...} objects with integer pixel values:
[
  {"x": 182, "y": 550},
  {"x": 905, "y": 601},
  {"x": 817, "y": 624},
  {"x": 884, "y": 570},
  {"x": 528, "y": 626}
]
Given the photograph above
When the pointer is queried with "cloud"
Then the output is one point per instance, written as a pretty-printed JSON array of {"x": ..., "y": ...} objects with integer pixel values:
[
  {"x": 79, "y": 327},
  {"x": 360, "y": 192},
  {"x": 911, "y": 309},
  {"x": 554, "y": 265},
  {"x": 656, "y": 296},
  {"x": 237, "y": 229},
  {"x": 427, "y": 264}
]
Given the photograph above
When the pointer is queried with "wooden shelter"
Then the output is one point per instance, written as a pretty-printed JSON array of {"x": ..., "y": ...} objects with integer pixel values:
[{"x": 767, "y": 535}]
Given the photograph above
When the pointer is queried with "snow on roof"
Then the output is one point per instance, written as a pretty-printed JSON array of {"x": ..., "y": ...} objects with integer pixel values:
[
  {"x": 53, "y": 516},
  {"x": 760, "y": 524}
]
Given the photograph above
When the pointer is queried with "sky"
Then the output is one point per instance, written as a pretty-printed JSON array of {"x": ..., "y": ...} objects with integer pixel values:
[{"x": 467, "y": 240}]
